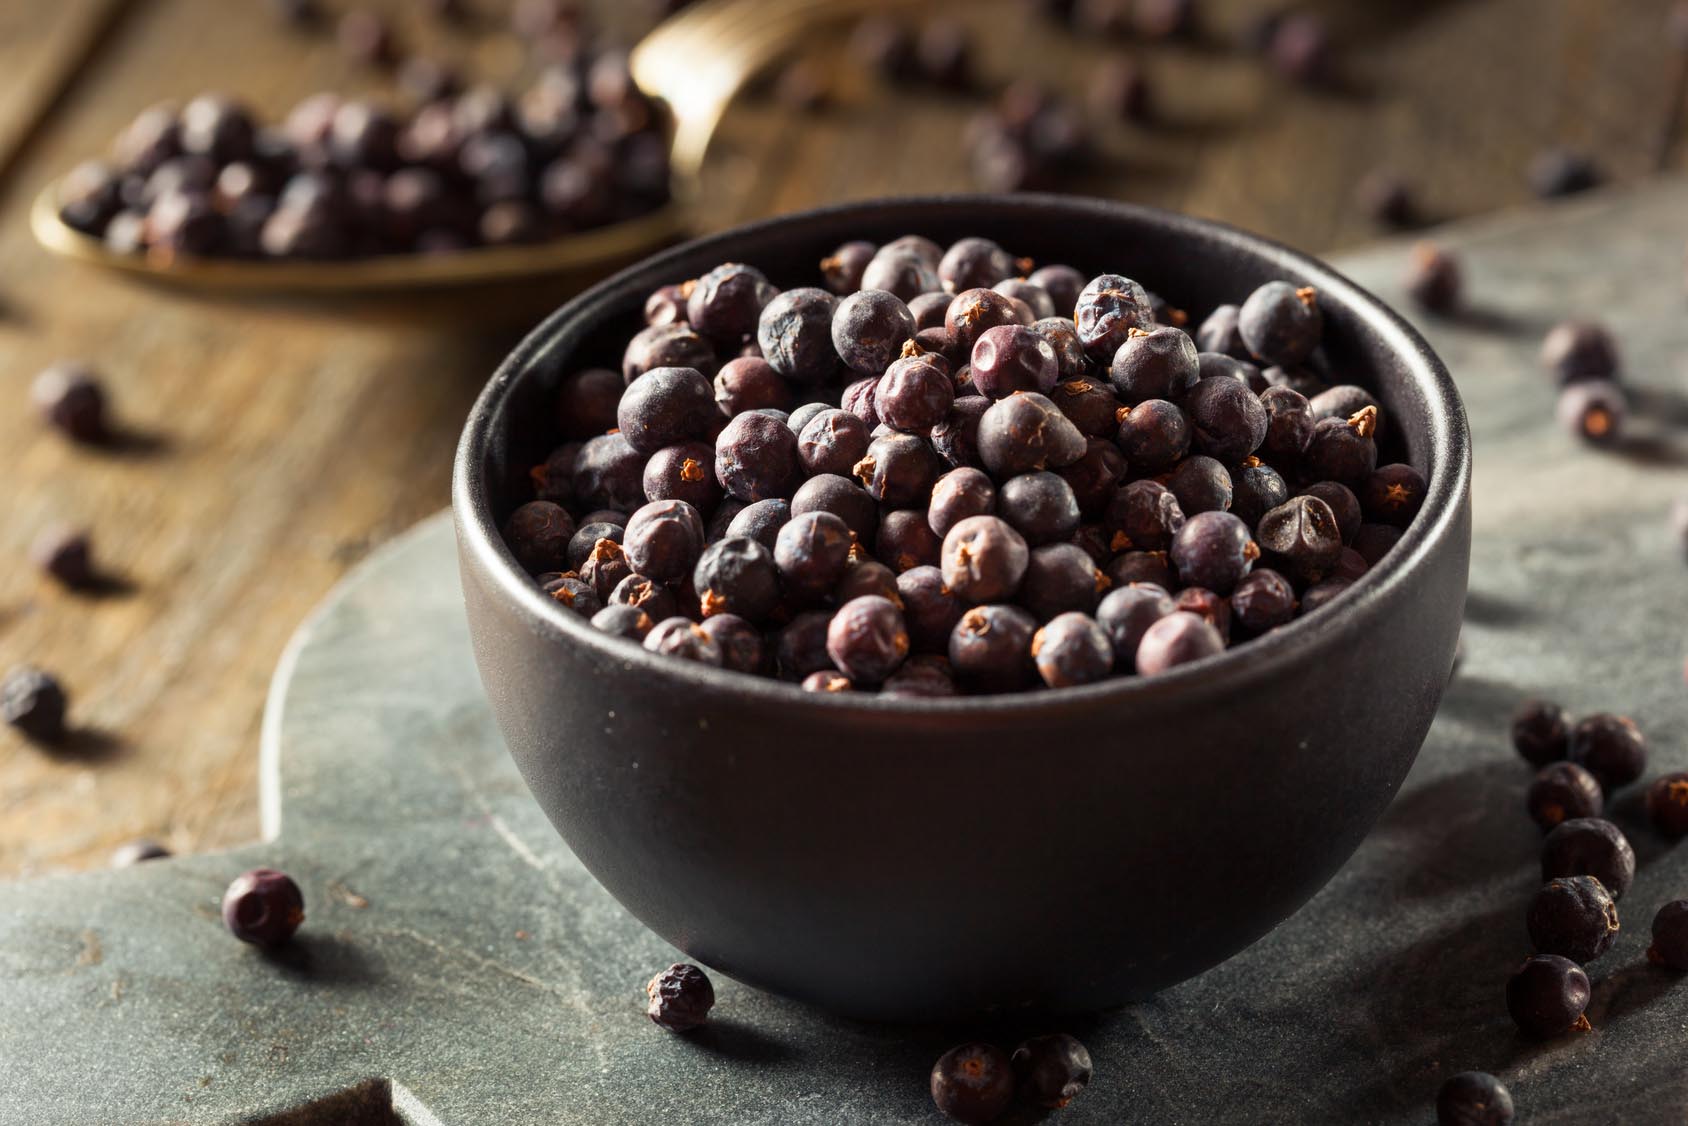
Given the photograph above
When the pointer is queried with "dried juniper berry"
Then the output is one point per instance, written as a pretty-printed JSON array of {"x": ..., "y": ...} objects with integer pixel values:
[
  {"x": 805, "y": 414},
  {"x": 1154, "y": 435},
  {"x": 869, "y": 329},
  {"x": 737, "y": 576},
  {"x": 827, "y": 680},
  {"x": 958, "y": 494},
  {"x": 1010, "y": 358},
  {"x": 972, "y": 313},
  {"x": 1562, "y": 791},
  {"x": 587, "y": 401},
  {"x": 1610, "y": 747},
  {"x": 1670, "y": 936},
  {"x": 1126, "y": 613},
  {"x": 1208, "y": 606},
  {"x": 1434, "y": 278},
  {"x": 33, "y": 702},
  {"x": 1070, "y": 650},
  {"x": 901, "y": 274},
  {"x": 726, "y": 303},
  {"x": 683, "y": 638},
  {"x": 864, "y": 577},
  {"x": 973, "y": 1083},
  {"x": 664, "y": 406},
  {"x": 1262, "y": 600},
  {"x": 1576, "y": 350},
  {"x": 898, "y": 470},
  {"x": 747, "y": 383},
  {"x": 1108, "y": 308},
  {"x": 761, "y": 521},
  {"x": 1344, "y": 401},
  {"x": 1219, "y": 333},
  {"x": 1040, "y": 506},
  {"x": 70, "y": 397},
  {"x": 1212, "y": 365},
  {"x": 1289, "y": 426},
  {"x": 1342, "y": 449},
  {"x": 263, "y": 907},
  {"x": 1393, "y": 494},
  {"x": 867, "y": 639},
  {"x": 1344, "y": 505},
  {"x": 800, "y": 647},
  {"x": 1547, "y": 995},
  {"x": 832, "y": 442},
  {"x": 538, "y": 535},
  {"x": 756, "y": 458},
  {"x": 923, "y": 676},
  {"x": 843, "y": 268},
  {"x": 685, "y": 471},
  {"x": 1152, "y": 567},
  {"x": 1227, "y": 421},
  {"x": 930, "y": 608},
  {"x": 930, "y": 311},
  {"x": 1090, "y": 404},
  {"x": 1589, "y": 846},
  {"x": 1095, "y": 477},
  {"x": 623, "y": 621},
  {"x": 1573, "y": 917},
  {"x": 1213, "y": 550},
  {"x": 990, "y": 648},
  {"x": 664, "y": 539},
  {"x": 1154, "y": 362},
  {"x": 828, "y": 492},
  {"x": 913, "y": 395},
  {"x": 1667, "y": 804},
  {"x": 1060, "y": 578},
  {"x": 906, "y": 540},
  {"x": 1027, "y": 432},
  {"x": 1062, "y": 283},
  {"x": 975, "y": 263},
  {"x": 1473, "y": 1098},
  {"x": 1256, "y": 490},
  {"x": 1201, "y": 484},
  {"x": 811, "y": 553},
  {"x": 984, "y": 559},
  {"x": 647, "y": 594},
  {"x": 858, "y": 399},
  {"x": 743, "y": 648},
  {"x": 794, "y": 331},
  {"x": 1051, "y": 1070},
  {"x": 956, "y": 439},
  {"x": 668, "y": 345},
  {"x": 1176, "y": 639},
  {"x": 679, "y": 998},
  {"x": 666, "y": 305},
  {"x": 1035, "y": 297},
  {"x": 1145, "y": 516},
  {"x": 1281, "y": 324},
  {"x": 572, "y": 592},
  {"x": 1594, "y": 410},
  {"x": 1541, "y": 731},
  {"x": 1300, "y": 538}
]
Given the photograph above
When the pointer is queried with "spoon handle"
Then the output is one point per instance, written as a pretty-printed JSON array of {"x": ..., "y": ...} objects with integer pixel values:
[{"x": 697, "y": 59}]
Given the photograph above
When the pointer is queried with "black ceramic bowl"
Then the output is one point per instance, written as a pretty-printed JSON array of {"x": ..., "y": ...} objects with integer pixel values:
[{"x": 910, "y": 859}]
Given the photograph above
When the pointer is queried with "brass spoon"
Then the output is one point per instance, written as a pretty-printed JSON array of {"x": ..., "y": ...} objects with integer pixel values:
[{"x": 695, "y": 62}]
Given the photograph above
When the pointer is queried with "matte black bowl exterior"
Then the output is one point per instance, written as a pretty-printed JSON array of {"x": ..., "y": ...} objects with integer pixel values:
[{"x": 908, "y": 859}]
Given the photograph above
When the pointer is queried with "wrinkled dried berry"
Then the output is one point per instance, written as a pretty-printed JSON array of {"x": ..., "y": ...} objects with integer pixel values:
[
  {"x": 1541, "y": 731},
  {"x": 263, "y": 906},
  {"x": 1301, "y": 537},
  {"x": 975, "y": 263},
  {"x": 1010, "y": 358},
  {"x": 756, "y": 458},
  {"x": 958, "y": 494},
  {"x": 679, "y": 998},
  {"x": 869, "y": 329},
  {"x": 898, "y": 470},
  {"x": 811, "y": 552},
  {"x": 984, "y": 559},
  {"x": 1227, "y": 421},
  {"x": 1563, "y": 791},
  {"x": 743, "y": 648},
  {"x": 737, "y": 576},
  {"x": 930, "y": 608},
  {"x": 667, "y": 345},
  {"x": 684, "y": 638},
  {"x": 913, "y": 395},
  {"x": 1213, "y": 550},
  {"x": 538, "y": 534},
  {"x": 1261, "y": 601},
  {"x": 1342, "y": 450},
  {"x": 1027, "y": 432},
  {"x": 1547, "y": 996},
  {"x": 1108, "y": 308},
  {"x": 664, "y": 539},
  {"x": 867, "y": 639},
  {"x": 1051, "y": 1070},
  {"x": 1574, "y": 918},
  {"x": 990, "y": 647}
]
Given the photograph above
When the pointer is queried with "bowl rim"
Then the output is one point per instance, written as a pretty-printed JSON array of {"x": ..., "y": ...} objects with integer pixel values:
[{"x": 1449, "y": 445}]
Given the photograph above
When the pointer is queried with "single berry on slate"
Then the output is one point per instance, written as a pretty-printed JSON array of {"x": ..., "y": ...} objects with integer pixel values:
[
  {"x": 1108, "y": 308},
  {"x": 1281, "y": 324},
  {"x": 869, "y": 328},
  {"x": 1593, "y": 410},
  {"x": 843, "y": 268},
  {"x": 1154, "y": 362},
  {"x": 990, "y": 647},
  {"x": 1027, "y": 432},
  {"x": 1610, "y": 747},
  {"x": 263, "y": 906},
  {"x": 138, "y": 852},
  {"x": 1051, "y": 1070},
  {"x": 679, "y": 997},
  {"x": 984, "y": 559},
  {"x": 1562, "y": 791},
  {"x": 1541, "y": 731},
  {"x": 867, "y": 639},
  {"x": 1262, "y": 600},
  {"x": 1589, "y": 846},
  {"x": 1176, "y": 639},
  {"x": 70, "y": 397},
  {"x": 1547, "y": 996},
  {"x": 623, "y": 621},
  {"x": 682, "y": 637},
  {"x": 737, "y": 576},
  {"x": 756, "y": 458},
  {"x": 1473, "y": 1098},
  {"x": 1072, "y": 649},
  {"x": 33, "y": 702},
  {"x": 1434, "y": 278},
  {"x": 1576, "y": 350},
  {"x": 1573, "y": 917},
  {"x": 811, "y": 552},
  {"x": 65, "y": 554},
  {"x": 973, "y": 1083},
  {"x": 1670, "y": 936},
  {"x": 1667, "y": 804}
]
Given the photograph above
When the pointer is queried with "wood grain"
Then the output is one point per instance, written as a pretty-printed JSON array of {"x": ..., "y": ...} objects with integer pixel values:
[{"x": 275, "y": 443}]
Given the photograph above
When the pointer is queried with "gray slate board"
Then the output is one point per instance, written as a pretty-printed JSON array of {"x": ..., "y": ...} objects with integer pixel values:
[{"x": 459, "y": 967}]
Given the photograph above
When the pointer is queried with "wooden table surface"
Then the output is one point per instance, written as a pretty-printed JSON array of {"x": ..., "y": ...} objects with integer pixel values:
[{"x": 281, "y": 441}]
